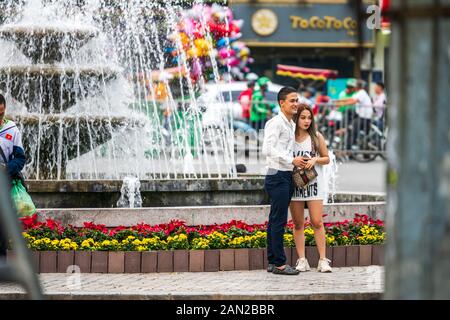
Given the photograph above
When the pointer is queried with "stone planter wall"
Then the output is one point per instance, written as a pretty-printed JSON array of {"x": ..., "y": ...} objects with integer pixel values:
[
  {"x": 206, "y": 191},
  {"x": 193, "y": 260}
]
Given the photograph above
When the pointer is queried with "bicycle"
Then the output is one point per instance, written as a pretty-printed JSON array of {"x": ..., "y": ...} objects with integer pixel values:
[{"x": 369, "y": 146}]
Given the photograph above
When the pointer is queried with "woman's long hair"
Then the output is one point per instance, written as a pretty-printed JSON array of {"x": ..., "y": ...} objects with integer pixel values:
[{"x": 312, "y": 128}]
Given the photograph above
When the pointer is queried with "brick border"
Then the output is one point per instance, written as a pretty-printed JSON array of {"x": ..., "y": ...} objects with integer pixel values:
[{"x": 194, "y": 260}]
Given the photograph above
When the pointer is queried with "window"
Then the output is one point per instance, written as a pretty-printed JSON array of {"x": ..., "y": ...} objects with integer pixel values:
[{"x": 234, "y": 95}]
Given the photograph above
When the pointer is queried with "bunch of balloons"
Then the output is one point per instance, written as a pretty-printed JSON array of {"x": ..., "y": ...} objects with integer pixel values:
[{"x": 208, "y": 35}]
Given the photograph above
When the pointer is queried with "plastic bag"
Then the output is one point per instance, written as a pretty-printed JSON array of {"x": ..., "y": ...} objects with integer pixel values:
[{"x": 21, "y": 199}]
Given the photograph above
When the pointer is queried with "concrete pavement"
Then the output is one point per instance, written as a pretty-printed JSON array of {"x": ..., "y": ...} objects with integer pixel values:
[{"x": 343, "y": 283}]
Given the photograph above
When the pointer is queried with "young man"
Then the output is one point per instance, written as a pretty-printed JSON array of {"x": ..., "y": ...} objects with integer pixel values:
[
  {"x": 12, "y": 156},
  {"x": 279, "y": 137}
]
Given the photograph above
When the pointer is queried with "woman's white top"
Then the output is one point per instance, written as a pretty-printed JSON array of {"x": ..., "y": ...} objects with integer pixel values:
[{"x": 315, "y": 189}]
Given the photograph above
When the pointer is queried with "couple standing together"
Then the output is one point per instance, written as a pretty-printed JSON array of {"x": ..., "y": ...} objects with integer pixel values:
[{"x": 291, "y": 139}]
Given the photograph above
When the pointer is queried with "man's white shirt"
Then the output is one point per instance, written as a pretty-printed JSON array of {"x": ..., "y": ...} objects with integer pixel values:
[
  {"x": 364, "y": 107},
  {"x": 278, "y": 144}
]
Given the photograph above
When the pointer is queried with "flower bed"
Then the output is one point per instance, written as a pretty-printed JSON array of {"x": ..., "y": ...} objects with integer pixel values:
[
  {"x": 177, "y": 247},
  {"x": 51, "y": 235}
]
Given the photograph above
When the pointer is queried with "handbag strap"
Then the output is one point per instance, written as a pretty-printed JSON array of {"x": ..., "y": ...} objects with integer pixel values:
[{"x": 313, "y": 147}]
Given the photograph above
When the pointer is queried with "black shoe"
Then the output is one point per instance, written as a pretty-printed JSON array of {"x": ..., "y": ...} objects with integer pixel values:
[
  {"x": 288, "y": 270},
  {"x": 270, "y": 267}
]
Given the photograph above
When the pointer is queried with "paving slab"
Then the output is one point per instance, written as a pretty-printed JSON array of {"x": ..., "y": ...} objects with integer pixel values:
[{"x": 343, "y": 283}]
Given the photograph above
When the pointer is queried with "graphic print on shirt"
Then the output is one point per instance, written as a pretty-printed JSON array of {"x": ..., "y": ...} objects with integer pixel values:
[{"x": 311, "y": 190}]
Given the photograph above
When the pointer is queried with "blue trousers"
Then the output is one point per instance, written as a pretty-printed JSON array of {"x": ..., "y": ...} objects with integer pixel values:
[{"x": 280, "y": 188}]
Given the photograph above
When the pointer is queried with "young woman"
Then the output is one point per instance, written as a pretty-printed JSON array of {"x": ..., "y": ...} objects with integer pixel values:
[{"x": 310, "y": 145}]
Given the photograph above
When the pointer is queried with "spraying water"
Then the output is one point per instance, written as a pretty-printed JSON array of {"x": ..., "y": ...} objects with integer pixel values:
[
  {"x": 83, "y": 82},
  {"x": 130, "y": 194},
  {"x": 330, "y": 177}
]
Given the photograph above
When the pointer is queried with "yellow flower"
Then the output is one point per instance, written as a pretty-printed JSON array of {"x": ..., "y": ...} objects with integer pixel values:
[
  {"x": 183, "y": 236},
  {"x": 86, "y": 244}
]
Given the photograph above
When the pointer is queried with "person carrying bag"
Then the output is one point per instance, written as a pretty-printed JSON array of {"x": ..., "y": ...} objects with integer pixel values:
[
  {"x": 12, "y": 161},
  {"x": 21, "y": 199}
]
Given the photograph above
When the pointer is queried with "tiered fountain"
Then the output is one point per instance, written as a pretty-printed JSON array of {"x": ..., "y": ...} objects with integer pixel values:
[
  {"x": 72, "y": 73},
  {"x": 47, "y": 84}
]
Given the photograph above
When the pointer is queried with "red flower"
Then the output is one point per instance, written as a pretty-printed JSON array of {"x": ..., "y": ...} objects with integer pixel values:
[
  {"x": 30, "y": 222},
  {"x": 379, "y": 223},
  {"x": 93, "y": 226},
  {"x": 114, "y": 231}
]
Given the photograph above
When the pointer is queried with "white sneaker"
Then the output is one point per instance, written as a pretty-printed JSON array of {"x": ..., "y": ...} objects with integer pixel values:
[
  {"x": 324, "y": 265},
  {"x": 302, "y": 265}
]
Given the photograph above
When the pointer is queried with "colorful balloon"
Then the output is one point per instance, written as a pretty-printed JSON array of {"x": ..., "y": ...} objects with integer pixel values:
[{"x": 211, "y": 30}]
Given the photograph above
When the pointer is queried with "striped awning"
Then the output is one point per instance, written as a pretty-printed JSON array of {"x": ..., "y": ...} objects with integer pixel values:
[{"x": 306, "y": 73}]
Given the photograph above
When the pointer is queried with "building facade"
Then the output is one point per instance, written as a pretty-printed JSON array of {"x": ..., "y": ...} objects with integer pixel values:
[{"x": 313, "y": 34}]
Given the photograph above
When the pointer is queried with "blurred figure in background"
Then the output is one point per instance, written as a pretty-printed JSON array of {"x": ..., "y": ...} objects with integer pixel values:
[
  {"x": 261, "y": 109},
  {"x": 363, "y": 112},
  {"x": 307, "y": 96},
  {"x": 245, "y": 98},
  {"x": 12, "y": 156},
  {"x": 379, "y": 104},
  {"x": 320, "y": 102},
  {"x": 347, "y": 111}
]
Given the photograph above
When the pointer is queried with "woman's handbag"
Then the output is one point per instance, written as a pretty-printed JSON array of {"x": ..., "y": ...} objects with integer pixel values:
[{"x": 302, "y": 177}]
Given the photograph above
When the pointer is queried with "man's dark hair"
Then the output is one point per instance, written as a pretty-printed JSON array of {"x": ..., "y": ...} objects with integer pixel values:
[
  {"x": 2, "y": 100},
  {"x": 381, "y": 85},
  {"x": 284, "y": 92}
]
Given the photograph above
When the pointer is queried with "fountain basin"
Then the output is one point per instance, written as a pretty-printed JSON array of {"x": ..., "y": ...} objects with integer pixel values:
[
  {"x": 76, "y": 134},
  {"x": 53, "y": 89},
  {"x": 46, "y": 44},
  {"x": 203, "y": 191},
  {"x": 206, "y": 215}
]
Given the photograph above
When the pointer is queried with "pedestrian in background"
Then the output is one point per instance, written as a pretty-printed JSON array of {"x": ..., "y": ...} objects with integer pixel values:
[
  {"x": 379, "y": 105},
  {"x": 307, "y": 96},
  {"x": 12, "y": 159},
  {"x": 363, "y": 113},
  {"x": 245, "y": 98},
  {"x": 261, "y": 109}
]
